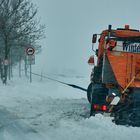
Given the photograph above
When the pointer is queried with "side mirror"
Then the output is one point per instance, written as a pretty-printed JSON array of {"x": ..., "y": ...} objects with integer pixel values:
[{"x": 94, "y": 38}]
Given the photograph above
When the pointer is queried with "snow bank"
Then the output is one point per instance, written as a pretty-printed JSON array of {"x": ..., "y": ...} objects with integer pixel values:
[{"x": 97, "y": 128}]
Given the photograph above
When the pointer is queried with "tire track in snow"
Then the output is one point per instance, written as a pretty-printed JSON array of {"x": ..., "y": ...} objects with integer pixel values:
[
  {"x": 11, "y": 128},
  {"x": 56, "y": 110},
  {"x": 46, "y": 113}
]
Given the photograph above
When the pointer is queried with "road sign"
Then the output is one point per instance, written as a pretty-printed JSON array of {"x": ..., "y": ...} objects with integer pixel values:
[
  {"x": 30, "y": 59},
  {"x": 30, "y": 51}
]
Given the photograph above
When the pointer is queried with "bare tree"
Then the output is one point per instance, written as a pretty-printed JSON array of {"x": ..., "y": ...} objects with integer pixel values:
[{"x": 19, "y": 28}]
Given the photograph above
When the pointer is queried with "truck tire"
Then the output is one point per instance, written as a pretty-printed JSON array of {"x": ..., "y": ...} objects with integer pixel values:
[
  {"x": 89, "y": 92},
  {"x": 96, "y": 94}
]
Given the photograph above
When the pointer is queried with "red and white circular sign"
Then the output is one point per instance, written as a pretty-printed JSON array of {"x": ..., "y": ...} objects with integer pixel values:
[{"x": 30, "y": 51}]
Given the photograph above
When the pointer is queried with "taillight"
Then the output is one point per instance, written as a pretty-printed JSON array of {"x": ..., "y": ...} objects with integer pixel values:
[
  {"x": 96, "y": 107},
  {"x": 100, "y": 107},
  {"x": 104, "y": 108}
]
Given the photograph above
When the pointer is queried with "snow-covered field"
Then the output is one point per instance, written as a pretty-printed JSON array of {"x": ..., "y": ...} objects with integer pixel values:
[{"x": 46, "y": 110}]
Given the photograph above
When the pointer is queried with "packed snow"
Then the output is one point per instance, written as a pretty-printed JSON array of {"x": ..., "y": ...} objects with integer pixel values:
[{"x": 47, "y": 110}]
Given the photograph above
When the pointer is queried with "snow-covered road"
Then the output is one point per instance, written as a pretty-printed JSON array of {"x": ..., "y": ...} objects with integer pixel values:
[
  {"x": 12, "y": 128},
  {"x": 45, "y": 110}
]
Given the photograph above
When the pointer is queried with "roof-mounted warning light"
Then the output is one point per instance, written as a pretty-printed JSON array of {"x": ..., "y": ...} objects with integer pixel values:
[{"x": 126, "y": 27}]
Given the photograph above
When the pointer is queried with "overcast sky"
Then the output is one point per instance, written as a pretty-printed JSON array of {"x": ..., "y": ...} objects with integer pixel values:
[{"x": 71, "y": 23}]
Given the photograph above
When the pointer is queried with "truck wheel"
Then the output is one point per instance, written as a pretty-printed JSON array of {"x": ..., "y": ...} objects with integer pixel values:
[
  {"x": 89, "y": 97},
  {"x": 89, "y": 92}
]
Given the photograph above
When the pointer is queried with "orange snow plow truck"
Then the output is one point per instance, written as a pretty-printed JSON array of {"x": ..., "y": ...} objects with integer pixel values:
[{"x": 115, "y": 79}]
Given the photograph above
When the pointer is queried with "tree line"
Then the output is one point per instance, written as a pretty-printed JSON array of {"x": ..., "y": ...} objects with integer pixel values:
[{"x": 19, "y": 29}]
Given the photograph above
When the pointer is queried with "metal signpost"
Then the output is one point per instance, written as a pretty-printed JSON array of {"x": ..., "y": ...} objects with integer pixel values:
[{"x": 30, "y": 59}]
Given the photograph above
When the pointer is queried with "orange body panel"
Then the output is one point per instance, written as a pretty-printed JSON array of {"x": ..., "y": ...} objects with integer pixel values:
[{"x": 125, "y": 66}]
